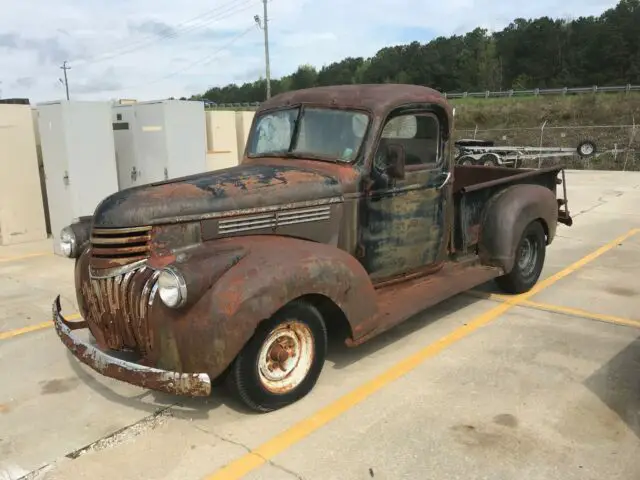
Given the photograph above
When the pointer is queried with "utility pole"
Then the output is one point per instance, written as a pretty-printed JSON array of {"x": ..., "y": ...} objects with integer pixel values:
[
  {"x": 265, "y": 27},
  {"x": 66, "y": 82}
]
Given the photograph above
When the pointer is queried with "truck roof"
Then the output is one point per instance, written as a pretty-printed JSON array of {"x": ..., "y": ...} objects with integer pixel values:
[{"x": 378, "y": 98}]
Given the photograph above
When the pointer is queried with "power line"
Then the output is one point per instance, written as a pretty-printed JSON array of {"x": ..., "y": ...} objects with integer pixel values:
[
  {"x": 211, "y": 16},
  {"x": 202, "y": 61},
  {"x": 172, "y": 34}
]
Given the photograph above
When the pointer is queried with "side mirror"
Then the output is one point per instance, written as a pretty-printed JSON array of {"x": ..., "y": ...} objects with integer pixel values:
[{"x": 396, "y": 157}]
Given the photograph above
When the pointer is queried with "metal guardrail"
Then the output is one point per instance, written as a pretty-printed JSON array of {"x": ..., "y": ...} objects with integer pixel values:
[
  {"x": 486, "y": 94},
  {"x": 545, "y": 91}
]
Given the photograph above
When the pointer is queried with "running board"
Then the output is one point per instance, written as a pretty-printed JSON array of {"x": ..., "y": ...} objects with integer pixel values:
[{"x": 401, "y": 301}]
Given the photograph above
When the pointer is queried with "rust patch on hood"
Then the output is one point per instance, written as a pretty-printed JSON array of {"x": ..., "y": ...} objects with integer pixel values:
[{"x": 235, "y": 188}]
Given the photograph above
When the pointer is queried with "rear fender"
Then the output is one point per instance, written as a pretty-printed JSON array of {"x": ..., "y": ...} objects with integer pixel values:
[
  {"x": 505, "y": 217},
  {"x": 272, "y": 272}
]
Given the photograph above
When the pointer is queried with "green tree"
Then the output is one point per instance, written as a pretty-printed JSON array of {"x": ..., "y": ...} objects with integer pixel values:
[{"x": 528, "y": 53}]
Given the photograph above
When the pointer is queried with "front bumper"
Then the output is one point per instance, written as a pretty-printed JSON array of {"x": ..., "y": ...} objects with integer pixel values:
[{"x": 191, "y": 384}]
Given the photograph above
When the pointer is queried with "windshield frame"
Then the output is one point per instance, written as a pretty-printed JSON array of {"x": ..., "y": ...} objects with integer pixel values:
[{"x": 296, "y": 132}]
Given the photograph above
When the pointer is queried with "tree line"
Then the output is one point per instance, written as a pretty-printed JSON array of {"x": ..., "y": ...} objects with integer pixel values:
[{"x": 528, "y": 53}]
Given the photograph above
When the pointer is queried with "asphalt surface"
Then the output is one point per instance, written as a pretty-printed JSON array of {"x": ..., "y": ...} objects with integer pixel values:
[{"x": 545, "y": 386}]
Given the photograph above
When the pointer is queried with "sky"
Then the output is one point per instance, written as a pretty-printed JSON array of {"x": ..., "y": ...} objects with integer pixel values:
[{"x": 152, "y": 49}]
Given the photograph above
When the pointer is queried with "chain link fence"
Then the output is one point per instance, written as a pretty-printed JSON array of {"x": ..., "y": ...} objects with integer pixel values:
[{"x": 617, "y": 146}]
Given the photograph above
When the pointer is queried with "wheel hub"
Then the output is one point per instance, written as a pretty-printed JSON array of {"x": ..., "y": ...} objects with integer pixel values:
[
  {"x": 527, "y": 256},
  {"x": 286, "y": 357}
]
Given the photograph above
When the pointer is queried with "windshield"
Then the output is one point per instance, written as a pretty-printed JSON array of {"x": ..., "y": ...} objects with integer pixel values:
[{"x": 321, "y": 132}]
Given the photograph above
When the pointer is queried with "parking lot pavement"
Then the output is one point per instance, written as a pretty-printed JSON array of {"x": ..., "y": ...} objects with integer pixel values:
[
  {"x": 533, "y": 396},
  {"x": 30, "y": 277},
  {"x": 473, "y": 388}
]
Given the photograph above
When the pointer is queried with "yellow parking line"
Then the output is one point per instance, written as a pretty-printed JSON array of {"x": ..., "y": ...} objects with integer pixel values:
[
  {"x": 573, "y": 312},
  {"x": 23, "y": 257},
  {"x": 577, "y": 312},
  {"x": 33, "y": 328},
  {"x": 276, "y": 445}
]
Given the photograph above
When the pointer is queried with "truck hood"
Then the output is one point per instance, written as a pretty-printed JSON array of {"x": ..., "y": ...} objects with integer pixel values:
[{"x": 235, "y": 188}]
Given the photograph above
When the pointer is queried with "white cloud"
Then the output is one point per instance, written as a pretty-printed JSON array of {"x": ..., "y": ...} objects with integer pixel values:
[{"x": 149, "y": 49}]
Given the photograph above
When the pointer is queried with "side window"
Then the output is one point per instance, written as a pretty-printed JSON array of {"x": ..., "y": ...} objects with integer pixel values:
[{"x": 419, "y": 134}]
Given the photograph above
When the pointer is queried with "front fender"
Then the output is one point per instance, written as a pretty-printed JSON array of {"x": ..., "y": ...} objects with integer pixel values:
[
  {"x": 505, "y": 217},
  {"x": 272, "y": 272}
]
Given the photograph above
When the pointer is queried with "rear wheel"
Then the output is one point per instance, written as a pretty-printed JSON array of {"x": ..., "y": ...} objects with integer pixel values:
[
  {"x": 282, "y": 361},
  {"x": 529, "y": 260}
]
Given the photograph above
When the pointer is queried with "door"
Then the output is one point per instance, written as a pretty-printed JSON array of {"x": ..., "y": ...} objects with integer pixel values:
[{"x": 403, "y": 227}]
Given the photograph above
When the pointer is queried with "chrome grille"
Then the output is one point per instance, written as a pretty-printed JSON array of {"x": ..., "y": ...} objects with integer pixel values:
[
  {"x": 125, "y": 244},
  {"x": 119, "y": 307},
  {"x": 273, "y": 220}
]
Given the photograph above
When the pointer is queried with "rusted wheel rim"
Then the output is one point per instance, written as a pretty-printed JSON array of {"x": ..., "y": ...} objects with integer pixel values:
[
  {"x": 528, "y": 256},
  {"x": 286, "y": 357}
]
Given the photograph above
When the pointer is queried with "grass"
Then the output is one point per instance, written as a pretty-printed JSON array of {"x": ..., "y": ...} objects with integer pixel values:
[{"x": 531, "y": 112}]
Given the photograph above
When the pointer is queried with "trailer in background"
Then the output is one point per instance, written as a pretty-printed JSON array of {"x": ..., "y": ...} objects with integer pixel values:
[{"x": 485, "y": 152}]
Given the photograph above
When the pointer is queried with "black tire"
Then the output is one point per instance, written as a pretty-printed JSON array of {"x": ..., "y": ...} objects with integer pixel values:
[
  {"x": 489, "y": 160},
  {"x": 586, "y": 149},
  {"x": 529, "y": 260},
  {"x": 251, "y": 387},
  {"x": 466, "y": 160}
]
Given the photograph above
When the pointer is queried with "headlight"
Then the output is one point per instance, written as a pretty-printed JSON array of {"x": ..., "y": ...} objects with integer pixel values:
[
  {"x": 172, "y": 288},
  {"x": 68, "y": 243}
]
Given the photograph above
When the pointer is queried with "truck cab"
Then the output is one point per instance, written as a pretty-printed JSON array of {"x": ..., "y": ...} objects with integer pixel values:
[{"x": 345, "y": 217}]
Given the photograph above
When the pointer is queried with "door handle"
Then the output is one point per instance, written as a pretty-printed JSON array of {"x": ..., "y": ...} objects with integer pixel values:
[{"x": 446, "y": 181}]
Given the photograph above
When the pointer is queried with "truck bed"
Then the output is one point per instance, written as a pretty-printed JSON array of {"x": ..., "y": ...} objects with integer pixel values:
[{"x": 473, "y": 187}]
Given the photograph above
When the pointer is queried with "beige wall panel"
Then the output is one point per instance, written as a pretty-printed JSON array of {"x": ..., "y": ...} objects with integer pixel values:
[
  {"x": 22, "y": 216},
  {"x": 222, "y": 140}
]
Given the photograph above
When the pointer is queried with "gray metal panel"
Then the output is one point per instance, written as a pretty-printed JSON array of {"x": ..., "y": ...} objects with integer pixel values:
[
  {"x": 151, "y": 142},
  {"x": 92, "y": 158},
  {"x": 124, "y": 127},
  {"x": 79, "y": 159},
  {"x": 170, "y": 139},
  {"x": 56, "y": 167},
  {"x": 186, "y": 138}
]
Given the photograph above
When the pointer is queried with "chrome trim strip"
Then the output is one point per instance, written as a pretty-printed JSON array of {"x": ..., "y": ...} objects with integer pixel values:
[
  {"x": 146, "y": 293},
  {"x": 120, "y": 231},
  {"x": 249, "y": 211},
  {"x": 119, "y": 240},
  {"x": 279, "y": 218},
  {"x": 115, "y": 271}
]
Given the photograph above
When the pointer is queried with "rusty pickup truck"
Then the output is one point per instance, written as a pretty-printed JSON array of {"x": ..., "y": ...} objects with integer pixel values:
[{"x": 345, "y": 217}]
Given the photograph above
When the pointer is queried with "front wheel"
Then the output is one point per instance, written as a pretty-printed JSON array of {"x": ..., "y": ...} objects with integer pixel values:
[
  {"x": 529, "y": 260},
  {"x": 282, "y": 361}
]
